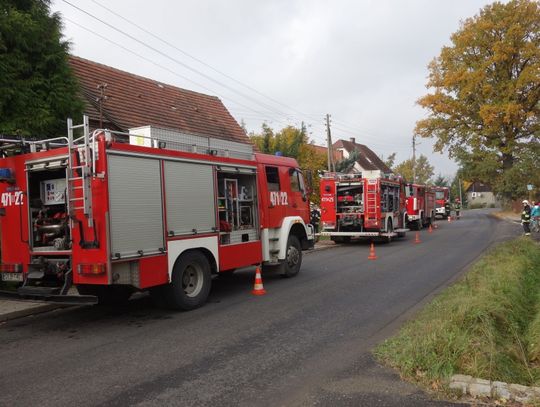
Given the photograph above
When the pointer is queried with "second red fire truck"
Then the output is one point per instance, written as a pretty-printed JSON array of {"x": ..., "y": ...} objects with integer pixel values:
[
  {"x": 367, "y": 205},
  {"x": 110, "y": 214}
]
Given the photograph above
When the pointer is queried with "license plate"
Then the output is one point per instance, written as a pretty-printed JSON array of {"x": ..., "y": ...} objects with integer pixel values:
[{"x": 12, "y": 277}]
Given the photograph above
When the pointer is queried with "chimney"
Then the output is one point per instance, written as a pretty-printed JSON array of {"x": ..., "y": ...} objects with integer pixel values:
[{"x": 353, "y": 140}]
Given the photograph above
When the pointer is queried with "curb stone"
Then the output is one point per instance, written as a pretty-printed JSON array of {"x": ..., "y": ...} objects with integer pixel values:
[
  {"x": 497, "y": 390},
  {"x": 8, "y": 316}
]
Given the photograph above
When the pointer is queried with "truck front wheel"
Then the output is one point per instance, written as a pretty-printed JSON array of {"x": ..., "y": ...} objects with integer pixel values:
[
  {"x": 190, "y": 282},
  {"x": 293, "y": 257}
]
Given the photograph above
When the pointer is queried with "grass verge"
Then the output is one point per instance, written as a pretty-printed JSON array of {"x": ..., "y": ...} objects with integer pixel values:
[{"x": 487, "y": 325}]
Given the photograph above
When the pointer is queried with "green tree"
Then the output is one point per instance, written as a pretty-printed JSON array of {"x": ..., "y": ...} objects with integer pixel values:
[
  {"x": 309, "y": 158},
  {"x": 293, "y": 142},
  {"x": 484, "y": 108},
  {"x": 424, "y": 170},
  {"x": 39, "y": 90},
  {"x": 390, "y": 160},
  {"x": 441, "y": 181},
  {"x": 347, "y": 164}
]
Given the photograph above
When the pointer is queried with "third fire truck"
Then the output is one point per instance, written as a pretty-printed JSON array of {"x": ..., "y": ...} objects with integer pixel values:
[
  {"x": 442, "y": 201},
  {"x": 420, "y": 206},
  {"x": 108, "y": 214},
  {"x": 367, "y": 205}
]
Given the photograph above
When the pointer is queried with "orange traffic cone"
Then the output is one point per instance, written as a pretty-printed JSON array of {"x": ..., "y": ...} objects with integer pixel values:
[
  {"x": 258, "y": 288},
  {"x": 417, "y": 238},
  {"x": 449, "y": 218},
  {"x": 372, "y": 255},
  {"x": 430, "y": 230}
]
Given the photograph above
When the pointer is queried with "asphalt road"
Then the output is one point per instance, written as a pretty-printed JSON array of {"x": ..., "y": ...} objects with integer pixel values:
[{"x": 307, "y": 342}]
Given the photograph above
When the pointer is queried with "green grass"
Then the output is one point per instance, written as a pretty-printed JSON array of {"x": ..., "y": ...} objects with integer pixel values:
[{"x": 486, "y": 325}]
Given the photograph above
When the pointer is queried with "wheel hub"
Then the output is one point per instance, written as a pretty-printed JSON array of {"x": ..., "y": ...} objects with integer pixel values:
[
  {"x": 293, "y": 256},
  {"x": 192, "y": 280}
]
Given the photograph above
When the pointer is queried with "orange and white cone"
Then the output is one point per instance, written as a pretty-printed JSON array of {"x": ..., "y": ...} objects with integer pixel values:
[
  {"x": 417, "y": 238},
  {"x": 430, "y": 230},
  {"x": 258, "y": 288},
  {"x": 449, "y": 218},
  {"x": 372, "y": 255}
]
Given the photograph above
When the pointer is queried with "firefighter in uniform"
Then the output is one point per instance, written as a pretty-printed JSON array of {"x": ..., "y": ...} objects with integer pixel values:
[
  {"x": 457, "y": 207},
  {"x": 447, "y": 208},
  {"x": 526, "y": 217}
]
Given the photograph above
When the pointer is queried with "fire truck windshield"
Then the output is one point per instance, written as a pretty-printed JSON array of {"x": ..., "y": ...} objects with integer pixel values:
[{"x": 439, "y": 195}]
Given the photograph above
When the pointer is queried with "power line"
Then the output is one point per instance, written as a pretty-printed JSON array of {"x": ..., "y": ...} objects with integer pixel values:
[
  {"x": 186, "y": 66},
  {"x": 156, "y": 64},
  {"x": 195, "y": 58},
  {"x": 163, "y": 54}
]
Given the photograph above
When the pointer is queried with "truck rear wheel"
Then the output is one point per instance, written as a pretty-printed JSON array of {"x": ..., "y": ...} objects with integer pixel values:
[
  {"x": 190, "y": 282},
  {"x": 293, "y": 257}
]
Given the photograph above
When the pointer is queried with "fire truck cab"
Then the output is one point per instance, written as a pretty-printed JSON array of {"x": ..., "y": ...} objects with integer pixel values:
[
  {"x": 111, "y": 213},
  {"x": 367, "y": 205},
  {"x": 442, "y": 198},
  {"x": 420, "y": 206}
]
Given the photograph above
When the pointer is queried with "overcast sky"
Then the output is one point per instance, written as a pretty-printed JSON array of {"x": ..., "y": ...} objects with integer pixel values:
[{"x": 364, "y": 62}]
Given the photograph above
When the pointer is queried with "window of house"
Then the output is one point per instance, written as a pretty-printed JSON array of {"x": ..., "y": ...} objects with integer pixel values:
[{"x": 272, "y": 178}]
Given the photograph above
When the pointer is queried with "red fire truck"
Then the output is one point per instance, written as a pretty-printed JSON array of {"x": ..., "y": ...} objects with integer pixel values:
[
  {"x": 442, "y": 198},
  {"x": 110, "y": 213},
  {"x": 420, "y": 206},
  {"x": 367, "y": 205}
]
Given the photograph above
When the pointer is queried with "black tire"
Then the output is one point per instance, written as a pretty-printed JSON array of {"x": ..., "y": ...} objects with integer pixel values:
[
  {"x": 190, "y": 283},
  {"x": 419, "y": 224},
  {"x": 389, "y": 229},
  {"x": 293, "y": 258},
  {"x": 107, "y": 294}
]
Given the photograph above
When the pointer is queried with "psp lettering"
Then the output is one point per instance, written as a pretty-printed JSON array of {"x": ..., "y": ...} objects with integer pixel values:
[
  {"x": 279, "y": 198},
  {"x": 12, "y": 198}
]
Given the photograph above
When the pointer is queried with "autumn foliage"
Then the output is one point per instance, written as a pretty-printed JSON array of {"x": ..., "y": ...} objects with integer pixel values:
[{"x": 484, "y": 97}]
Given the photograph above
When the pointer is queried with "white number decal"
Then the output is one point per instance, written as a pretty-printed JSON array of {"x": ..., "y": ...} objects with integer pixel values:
[
  {"x": 12, "y": 198},
  {"x": 279, "y": 198}
]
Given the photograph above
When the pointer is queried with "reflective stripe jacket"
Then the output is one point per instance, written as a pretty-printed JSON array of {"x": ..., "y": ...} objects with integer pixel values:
[{"x": 526, "y": 214}]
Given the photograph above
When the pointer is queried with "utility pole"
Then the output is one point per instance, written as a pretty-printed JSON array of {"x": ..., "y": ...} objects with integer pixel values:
[
  {"x": 331, "y": 165},
  {"x": 101, "y": 99},
  {"x": 460, "y": 196},
  {"x": 414, "y": 158}
]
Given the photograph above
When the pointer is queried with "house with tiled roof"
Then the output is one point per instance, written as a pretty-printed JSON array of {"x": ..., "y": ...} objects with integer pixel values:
[
  {"x": 366, "y": 159},
  {"x": 120, "y": 100}
]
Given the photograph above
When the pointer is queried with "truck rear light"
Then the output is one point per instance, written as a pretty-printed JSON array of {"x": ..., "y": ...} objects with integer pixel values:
[
  {"x": 92, "y": 269},
  {"x": 11, "y": 268}
]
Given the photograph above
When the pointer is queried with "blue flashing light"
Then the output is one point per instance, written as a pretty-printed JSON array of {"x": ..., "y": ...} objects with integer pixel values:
[
  {"x": 5, "y": 173},
  {"x": 279, "y": 154}
]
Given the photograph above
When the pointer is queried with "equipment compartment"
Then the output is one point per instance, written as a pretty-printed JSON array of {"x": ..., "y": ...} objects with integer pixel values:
[{"x": 49, "y": 221}]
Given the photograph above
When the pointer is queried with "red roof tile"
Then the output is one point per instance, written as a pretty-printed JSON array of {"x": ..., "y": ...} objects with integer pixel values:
[{"x": 135, "y": 101}]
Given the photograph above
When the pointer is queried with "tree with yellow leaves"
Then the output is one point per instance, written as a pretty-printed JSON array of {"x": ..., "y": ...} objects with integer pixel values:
[{"x": 485, "y": 99}]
